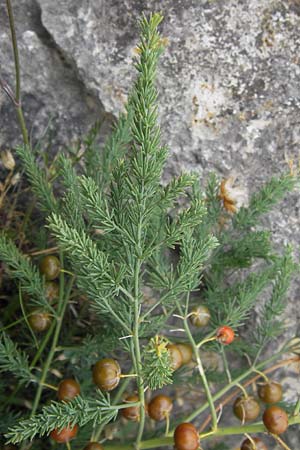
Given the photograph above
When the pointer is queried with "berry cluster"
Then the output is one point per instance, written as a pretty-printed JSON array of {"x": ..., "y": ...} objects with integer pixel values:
[
  {"x": 274, "y": 418},
  {"x": 50, "y": 268}
]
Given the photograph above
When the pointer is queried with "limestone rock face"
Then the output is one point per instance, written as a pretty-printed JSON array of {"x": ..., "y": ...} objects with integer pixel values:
[
  {"x": 56, "y": 103},
  {"x": 228, "y": 80}
]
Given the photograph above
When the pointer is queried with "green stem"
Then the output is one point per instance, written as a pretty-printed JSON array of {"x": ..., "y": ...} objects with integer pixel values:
[
  {"x": 231, "y": 385},
  {"x": 22, "y": 125},
  {"x": 12, "y": 324},
  {"x": 26, "y": 319},
  {"x": 137, "y": 352},
  {"x": 17, "y": 98},
  {"x": 15, "y": 49},
  {"x": 116, "y": 399},
  {"x": 297, "y": 408},
  {"x": 226, "y": 431},
  {"x": 43, "y": 345},
  {"x": 226, "y": 366},
  {"x": 201, "y": 369},
  {"x": 62, "y": 304}
]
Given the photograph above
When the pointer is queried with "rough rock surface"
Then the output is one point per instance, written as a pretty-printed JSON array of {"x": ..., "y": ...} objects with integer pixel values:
[
  {"x": 53, "y": 97},
  {"x": 229, "y": 83}
]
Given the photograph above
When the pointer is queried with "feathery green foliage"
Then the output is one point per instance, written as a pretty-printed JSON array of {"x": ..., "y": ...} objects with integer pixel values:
[
  {"x": 38, "y": 179},
  {"x": 21, "y": 269},
  {"x": 262, "y": 202},
  {"x": 157, "y": 363},
  {"x": 59, "y": 415},
  {"x": 270, "y": 322},
  {"x": 13, "y": 360},
  {"x": 72, "y": 204}
]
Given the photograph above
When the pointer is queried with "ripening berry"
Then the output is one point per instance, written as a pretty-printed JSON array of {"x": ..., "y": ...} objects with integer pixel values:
[
  {"x": 132, "y": 412},
  {"x": 200, "y": 316},
  {"x": 39, "y": 320},
  {"x": 248, "y": 445},
  {"x": 186, "y": 352},
  {"x": 186, "y": 437},
  {"x": 51, "y": 291},
  {"x": 65, "y": 435},
  {"x": 93, "y": 446},
  {"x": 50, "y": 267},
  {"x": 246, "y": 408},
  {"x": 225, "y": 335},
  {"x": 160, "y": 407},
  {"x": 275, "y": 420},
  {"x": 176, "y": 356},
  {"x": 270, "y": 392},
  {"x": 68, "y": 389},
  {"x": 107, "y": 374}
]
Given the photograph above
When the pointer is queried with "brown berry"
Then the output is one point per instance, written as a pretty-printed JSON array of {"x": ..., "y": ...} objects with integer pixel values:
[
  {"x": 186, "y": 437},
  {"x": 50, "y": 267},
  {"x": 68, "y": 389},
  {"x": 39, "y": 321},
  {"x": 275, "y": 419},
  {"x": 93, "y": 446},
  {"x": 200, "y": 316},
  {"x": 225, "y": 335},
  {"x": 132, "y": 412},
  {"x": 186, "y": 351},
  {"x": 65, "y": 435},
  {"x": 106, "y": 374},
  {"x": 160, "y": 407},
  {"x": 176, "y": 356},
  {"x": 270, "y": 392},
  {"x": 246, "y": 409},
  {"x": 52, "y": 291},
  {"x": 248, "y": 445}
]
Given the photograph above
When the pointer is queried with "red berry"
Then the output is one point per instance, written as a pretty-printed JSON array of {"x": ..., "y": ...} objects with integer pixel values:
[
  {"x": 186, "y": 437},
  {"x": 225, "y": 335},
  {"x": 275, "y": 420},
  {"x": 68, "y": 389},
  {"x": 65, "y": 435},
  {"x": 248, "y": 445},
  {"x": 160, "y": 407}
]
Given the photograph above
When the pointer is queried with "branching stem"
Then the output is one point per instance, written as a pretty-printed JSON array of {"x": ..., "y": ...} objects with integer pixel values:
[
  {"x": 226, "y": 431},
  {"x": 200, "y": 369},
  {"x": 62, "y": 303}
]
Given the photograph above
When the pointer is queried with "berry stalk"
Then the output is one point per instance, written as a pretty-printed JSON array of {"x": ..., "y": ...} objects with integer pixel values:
[
  {"x": 200, "y": 369},
  {"x": 62, "y": 304},
  {"x": 254, "y": 428}
]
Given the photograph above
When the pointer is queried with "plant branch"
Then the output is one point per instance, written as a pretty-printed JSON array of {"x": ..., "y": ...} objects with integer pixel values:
[
  {"x": 226, "y": 431},
  {"x": 200, "y": 368},
  {"x": 16, "y": 98},
  {"x": 62, "y": 304}
]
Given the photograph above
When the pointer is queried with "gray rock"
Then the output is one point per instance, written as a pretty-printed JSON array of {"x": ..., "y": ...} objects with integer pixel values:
[
  {"x": 54, "y": 99},
  {"x": 228, "y": 81}
]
